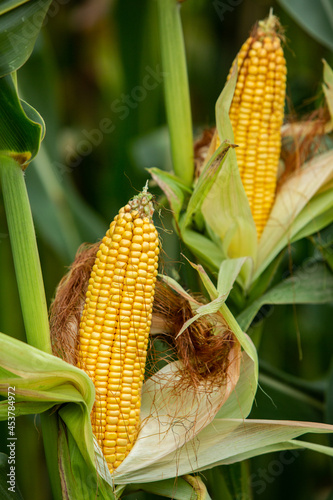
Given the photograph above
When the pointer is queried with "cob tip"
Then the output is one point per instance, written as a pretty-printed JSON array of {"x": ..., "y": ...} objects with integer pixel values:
[{"x": 142, "y": 202}]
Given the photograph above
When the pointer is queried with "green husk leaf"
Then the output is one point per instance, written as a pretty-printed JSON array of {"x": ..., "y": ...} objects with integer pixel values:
[
  {"x": 223, "y": 103},
  {"x": 210, "y": 308},
  {"x": 206, "y": 250},
  {"x": 174, "y": 189},
  {"x": 21, "y": 127},
  {"x": 226, "y": 439},
  {"x": 79, "y": 478},
  {"x": 39, "y": 377},
  {"x": 206, "y": 281},
  {"x": 23, "y": 407},
  {"x": 43, "y": 381},
  {"x": 228, "y": 273},
  {"x": 242, "y": 338},
  {"x": 20, "y": 24},
  {"x": 226, "y": 208},
  {"x": 310, "y": 285},
  {"x": 227, "y": 212},
  {"x": 205, "y": 182}
]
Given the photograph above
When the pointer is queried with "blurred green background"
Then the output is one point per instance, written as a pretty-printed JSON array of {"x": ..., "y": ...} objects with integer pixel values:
[{"x": 96, "y": 78}]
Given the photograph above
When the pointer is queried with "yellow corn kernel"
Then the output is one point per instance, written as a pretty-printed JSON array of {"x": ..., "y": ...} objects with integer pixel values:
[
  {"x": 115, "y": 325},
  {"x": 258, "y": 108}
]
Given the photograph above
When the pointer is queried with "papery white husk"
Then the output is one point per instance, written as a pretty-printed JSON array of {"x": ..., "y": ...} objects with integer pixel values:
[
  {"x": 182, "y": 433},
  {"x": 171, "y": 417},
  {"x": 291, "y": 200},
  {"x": 169, "y": 441}
]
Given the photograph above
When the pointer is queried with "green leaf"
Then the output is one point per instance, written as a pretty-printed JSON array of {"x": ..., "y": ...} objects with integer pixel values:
[
  {"x": 20, "y": 23},
  {"x": 316, "y": 18},
  {"x": 21, "y": 127},
  {"x": 310, "y": 285},
  {"x": 5, "y": 493}
]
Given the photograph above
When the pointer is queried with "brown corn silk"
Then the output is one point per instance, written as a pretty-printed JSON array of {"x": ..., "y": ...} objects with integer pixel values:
[
  {"x": 203, "y": 347},
  {"x": 115, "y": 324},
  {"x": 256, "y": 115}
]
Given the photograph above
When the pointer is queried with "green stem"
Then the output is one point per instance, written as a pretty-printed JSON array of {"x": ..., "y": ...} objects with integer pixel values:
[
  {"x": 31, "y": 288},
  {"x": 25, "y": 254},
  {"x": 176, "y": 88}
]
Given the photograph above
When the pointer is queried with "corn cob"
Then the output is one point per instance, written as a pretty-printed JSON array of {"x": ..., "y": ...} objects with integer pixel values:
[
  {"x": 256, "y": 115},
  {"x": 115, "y": 325}
]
